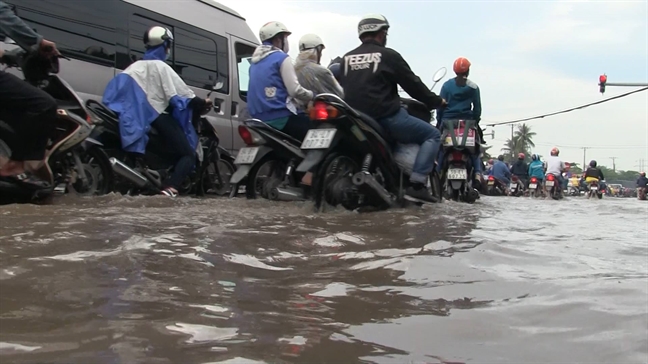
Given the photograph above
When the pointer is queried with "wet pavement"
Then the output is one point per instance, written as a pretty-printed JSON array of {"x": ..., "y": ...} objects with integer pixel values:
[{"x": 154, "y": 280}]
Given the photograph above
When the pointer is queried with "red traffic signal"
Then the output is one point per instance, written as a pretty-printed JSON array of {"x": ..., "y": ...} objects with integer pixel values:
[{"x": 602, "y": 81}]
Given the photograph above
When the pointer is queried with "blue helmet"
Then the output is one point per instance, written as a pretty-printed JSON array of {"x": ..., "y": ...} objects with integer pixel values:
[{"x": 534, "y": 157}]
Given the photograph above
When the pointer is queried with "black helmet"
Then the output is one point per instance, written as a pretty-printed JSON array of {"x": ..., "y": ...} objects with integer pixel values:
[
  {"x": 500, "y": 158},
  {"x": 593, "y": 164},
  {"x": 372, "y": 23}
]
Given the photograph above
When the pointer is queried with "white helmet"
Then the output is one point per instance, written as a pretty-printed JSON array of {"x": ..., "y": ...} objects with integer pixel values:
[
  {"x": 310, "y": 41},
  {"x": 372, "y": 23},
  {"x": 157, "y": 35},
  {"x": 271, "y": 29}
]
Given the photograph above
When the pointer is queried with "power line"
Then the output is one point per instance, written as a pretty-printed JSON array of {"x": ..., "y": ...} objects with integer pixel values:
[{"x": 569, "y": 110}]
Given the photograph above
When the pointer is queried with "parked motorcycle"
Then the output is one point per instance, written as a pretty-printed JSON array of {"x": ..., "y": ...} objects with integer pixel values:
[
  {"x": 593, "y": 190},
  {"x": 535, "y": 188},
  {"x": 516, "y": 187},
  {"x": 137, "y": 175},
  {"x": 460, "y": 143},
  {"x": 75, "y": 163},
  {"x": 553, "y": 187},
  {"x": 358, "y": 167},
  {"x": 268, "y": 162}
]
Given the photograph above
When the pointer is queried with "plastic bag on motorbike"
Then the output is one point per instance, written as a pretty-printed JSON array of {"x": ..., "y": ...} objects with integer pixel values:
[{"x": 405, "y": 156}]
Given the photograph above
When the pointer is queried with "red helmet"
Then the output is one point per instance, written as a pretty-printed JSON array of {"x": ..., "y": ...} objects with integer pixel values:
[
  {"x": 490, "y": 161},
  {"x": 521, "y": 156},
  {"x": 461, "y": 65}
]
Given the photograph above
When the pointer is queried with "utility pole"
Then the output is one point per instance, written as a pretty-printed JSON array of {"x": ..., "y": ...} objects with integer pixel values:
[
  {"x": 641, "y": 165},
  {"x": 614, "y": 163},
  {"x": 584, "y": 156}
]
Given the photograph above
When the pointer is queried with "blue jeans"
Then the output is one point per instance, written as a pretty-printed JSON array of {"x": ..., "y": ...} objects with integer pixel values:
[{"x": 407, "y": 129}]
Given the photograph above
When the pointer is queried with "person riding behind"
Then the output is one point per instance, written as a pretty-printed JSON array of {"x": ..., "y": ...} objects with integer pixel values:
[
  {"x": 521, "y": 169},
  {"x": 336, "y": 68},
  {"x": 555, "y": 166},
  {"x": 310, "y": 73},
  {"x": 370, "y": 77},
  {"x": 30, "y": 111},
  {"x": 642, "y": 181},
  {"x": 501, "y": 171},
  {"x": 149, "y": 93},
  {"x": 464, "y": 102},
  {"x": 273, "y": 88},
  {"x": 536, "y": 168}
]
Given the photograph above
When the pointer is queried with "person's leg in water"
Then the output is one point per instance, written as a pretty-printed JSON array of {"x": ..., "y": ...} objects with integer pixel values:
[
  {"x": 31, "y": 113},
  {"x": 182, "y": 155},
  {"x": 407, "y": 129},
  {"x": 297, "y": 127}
]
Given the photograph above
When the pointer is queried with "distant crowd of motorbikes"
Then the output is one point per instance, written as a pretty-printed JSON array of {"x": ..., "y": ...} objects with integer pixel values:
[{"x": 347, "y": 160}]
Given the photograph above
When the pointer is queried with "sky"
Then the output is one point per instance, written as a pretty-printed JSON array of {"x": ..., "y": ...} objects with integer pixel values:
[{"x": 528, "y": 58}]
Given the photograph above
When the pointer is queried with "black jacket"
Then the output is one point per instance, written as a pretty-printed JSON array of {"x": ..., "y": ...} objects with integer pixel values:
[
  {"x": 642, "y": 181},
  {"x": 520, "y": 169},
  {"x": 594, "y": 173},
  {"x": 370, "y": 77}
]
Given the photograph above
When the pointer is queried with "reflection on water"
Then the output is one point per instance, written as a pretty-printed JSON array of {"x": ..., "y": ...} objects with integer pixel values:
[{"x": 154, "y": 280}]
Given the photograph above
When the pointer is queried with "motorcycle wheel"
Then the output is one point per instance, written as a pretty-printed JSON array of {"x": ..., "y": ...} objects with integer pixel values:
[
  {"x": 435, "y": 186},
  {"x": 331, "y": 177},
  {"x": 98, "y": 172},
  {"x": 211, "y": 183},
  {"x": 265, "y": 171}
]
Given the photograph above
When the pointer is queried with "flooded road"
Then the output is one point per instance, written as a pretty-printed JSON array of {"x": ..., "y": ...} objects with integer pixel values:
[{"x": 155, "y": 280}]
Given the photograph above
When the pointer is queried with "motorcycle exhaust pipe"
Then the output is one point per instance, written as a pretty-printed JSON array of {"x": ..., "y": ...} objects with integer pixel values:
[
  {"x": 128, "y": 173},
  {"x": 285, "y": 194},
  {"x": 361, "y": 178}
]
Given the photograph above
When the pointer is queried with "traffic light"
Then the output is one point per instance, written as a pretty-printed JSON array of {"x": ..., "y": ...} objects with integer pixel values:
[{"x": 602, "y": 81}]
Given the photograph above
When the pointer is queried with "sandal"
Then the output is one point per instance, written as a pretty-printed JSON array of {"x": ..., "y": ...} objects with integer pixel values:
[
  {"x": 27, "y": 179},
  {"x": 169, "y": 192}
]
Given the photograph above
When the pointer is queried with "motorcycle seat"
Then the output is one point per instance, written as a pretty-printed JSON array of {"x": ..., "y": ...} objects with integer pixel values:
[
  {"x": 110, "y": 118},
  {"x": 375, "y": 126},
  {"x": 258, "y": 124}
]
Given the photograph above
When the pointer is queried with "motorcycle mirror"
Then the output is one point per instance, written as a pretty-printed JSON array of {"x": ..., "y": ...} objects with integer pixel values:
[{"x": 439, "y": 74}]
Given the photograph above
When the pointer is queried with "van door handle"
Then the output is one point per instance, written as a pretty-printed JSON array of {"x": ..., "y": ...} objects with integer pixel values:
[
  {"x": 217, "y": 105},
  {"x": 234, "y": 108}
]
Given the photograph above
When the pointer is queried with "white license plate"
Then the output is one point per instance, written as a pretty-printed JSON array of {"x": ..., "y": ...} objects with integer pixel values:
[
  {"x": 457, "y": 174},
  {"x": 593, "y": 188},
  {"x": 512, "y": 186},
  {"x": 470, "y": 141},
  {"x": 533, "y": 186},
  {"x": 246, "y": 155},
  {"x": 549, "y": 183},
  {"x": 491, "y": 182},
  {"x": 318, "y": 138}
]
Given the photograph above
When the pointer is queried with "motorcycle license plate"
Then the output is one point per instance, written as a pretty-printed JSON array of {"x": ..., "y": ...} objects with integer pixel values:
[
  {"x": 549, "y": 183},
  {"x": 318, "y": 138},
  {"x": 490, "y": 183},
  {"x": 533, "y": 185},
  {"x": 594, "y": 188},
  {"x": 470, "y": 141},
  {"x": 246, "y": 155},
  {"x": 512, "y": 186},
  {"x": 457, "y": 174}
]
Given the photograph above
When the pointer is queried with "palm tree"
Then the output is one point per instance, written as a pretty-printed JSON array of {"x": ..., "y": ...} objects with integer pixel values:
[
  {"x": 524, "y": 137},
  {"x": 486, "y": 156},
  {"x": 511, "y": 147}
]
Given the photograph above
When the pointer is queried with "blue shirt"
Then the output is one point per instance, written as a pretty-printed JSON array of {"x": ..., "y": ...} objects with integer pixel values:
[
  {"x": 464, "y": 102},
  {"x": 536, "y": 169},
  {"x": 500, "y": 171}
]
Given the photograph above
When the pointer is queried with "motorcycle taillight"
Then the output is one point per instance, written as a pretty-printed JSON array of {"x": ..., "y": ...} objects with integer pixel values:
[{"x": 457, "y": 156}]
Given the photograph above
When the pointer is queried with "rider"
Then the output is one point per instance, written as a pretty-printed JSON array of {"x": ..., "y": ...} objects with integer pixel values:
[
  {"x": 370, "y": 76},
  {"x": 336, "y": 68},
  {"x": 310, "y": 73},
  {"x": 149, "y": 93},
  {"x": 536, "y": 168},
  {"x": 500, "y": 171},
  {"x": 642, "y": 181},
  {"x": 555, "y": 166},
  {"x": 593, "y": 173},
  {"x": 273, "y": 87},
  {"x": 521, "y": 169},
  {"x": 30, "y": 111},
  {"x": 464, "y": 102}
]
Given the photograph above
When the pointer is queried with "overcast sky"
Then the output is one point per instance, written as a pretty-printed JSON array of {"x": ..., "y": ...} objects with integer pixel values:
[{"x": 529, "y": 58}]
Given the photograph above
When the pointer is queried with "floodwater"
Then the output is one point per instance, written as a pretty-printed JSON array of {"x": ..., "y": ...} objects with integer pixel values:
[{"x": 155, "y": 280}]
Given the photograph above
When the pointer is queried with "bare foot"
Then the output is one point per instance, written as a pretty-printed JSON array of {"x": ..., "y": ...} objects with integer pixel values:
[{"x": 307, "y": 180}]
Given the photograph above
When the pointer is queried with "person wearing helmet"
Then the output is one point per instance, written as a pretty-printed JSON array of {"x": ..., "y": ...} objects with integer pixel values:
[
  {"x": 274, "y": 92},
  {"x": 149, "y": 93},
  {"x": 555, "y": 166},
  {"x": 310, "y": 73},
  {"x": 642, "y": 185},
  {"x": 501, "y": 171},
  {"x": 521, "y": 169},
  {"x": 593, "y": 173},
  {"x": 370, "y": 77},
  {"x": 30, "y": 111},
  {"x": 536, "y": 168}
]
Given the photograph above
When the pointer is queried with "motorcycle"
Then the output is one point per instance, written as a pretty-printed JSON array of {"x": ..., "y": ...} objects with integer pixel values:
[
  {"x": 359, "y": 169},
  {"x": 593, "y": 190},
  {"x": 268, "y": 163},
  {"x": 516, "y": 187},
  {"x": 495, "y": 187},
  {"x": 137, "y": 175},
  {"x": 459, "y": 144},
  {"x": 553, "y": 187},
  {"x": 74, "y": 162},
  {"x": 535, "y": 188},
  {"x": 641, "y": 193}
]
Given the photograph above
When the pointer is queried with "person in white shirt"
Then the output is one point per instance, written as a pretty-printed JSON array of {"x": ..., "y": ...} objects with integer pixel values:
[{"x": 555, "y": 166}]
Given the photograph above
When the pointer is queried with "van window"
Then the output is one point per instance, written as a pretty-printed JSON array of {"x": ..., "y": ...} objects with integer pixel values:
[
  {"x": 196, "y": 59},
  {"x": 243, "y": 56},
  {"x": 138, "y": 25},
  {"x": 81, "y": 29}
]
